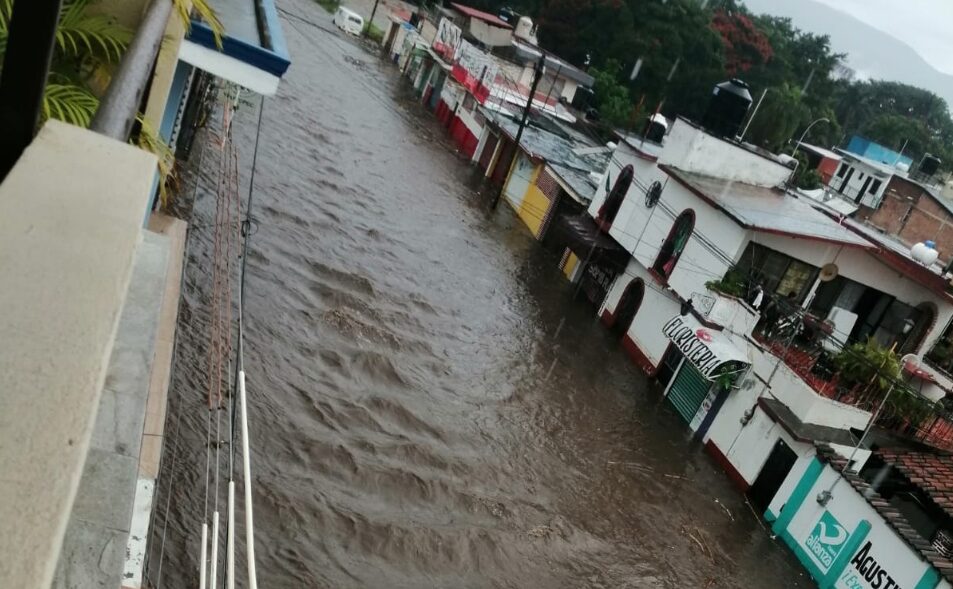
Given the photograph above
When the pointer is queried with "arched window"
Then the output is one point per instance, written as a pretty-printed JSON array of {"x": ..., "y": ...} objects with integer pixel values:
[
  {"x": 628, "y": 306},
  {"x": 674, "y": 244},
  {"x": 613, "y": 202}
]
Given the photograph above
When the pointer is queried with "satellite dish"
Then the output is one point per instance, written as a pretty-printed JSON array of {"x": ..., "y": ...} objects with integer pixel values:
[
  {"x": 653, "y": 194},
  {"x": 829, "y": 272}
]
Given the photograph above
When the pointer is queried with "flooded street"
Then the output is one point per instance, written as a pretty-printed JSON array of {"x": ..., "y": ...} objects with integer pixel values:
[{"x": 429, "y": 406}]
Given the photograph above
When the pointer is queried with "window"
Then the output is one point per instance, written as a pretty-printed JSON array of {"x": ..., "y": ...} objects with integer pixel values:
[
  {"x": 610, "y": 207},
  {"x": 841, "y": 170},
  {"x": 875, "y": 187},
  {"x": 777, "y": 273},
  {"x": 468, "y": 102},
  {"x": 355, "y": 20},
  {"x": 674, "y": 244}
]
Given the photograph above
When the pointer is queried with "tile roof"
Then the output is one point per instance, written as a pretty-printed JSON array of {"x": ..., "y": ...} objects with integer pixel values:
[
  {"x": 921, "y": 465},
  {"x": 933, "y": 473}
]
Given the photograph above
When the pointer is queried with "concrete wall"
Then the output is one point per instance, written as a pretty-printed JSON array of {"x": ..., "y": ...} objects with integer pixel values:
[
  {"x": 490, "y": 35},
  {"x": 859, "y": 530},
  {"x": 70, "y": 217},
  {"x": 690, "y": 148}
]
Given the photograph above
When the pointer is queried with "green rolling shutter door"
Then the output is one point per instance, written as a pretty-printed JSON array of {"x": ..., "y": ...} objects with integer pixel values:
[{"x": 688, "y": 391}]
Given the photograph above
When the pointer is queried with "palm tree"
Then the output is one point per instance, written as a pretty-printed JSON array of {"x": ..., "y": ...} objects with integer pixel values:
[{"x": 87, "y": 46}]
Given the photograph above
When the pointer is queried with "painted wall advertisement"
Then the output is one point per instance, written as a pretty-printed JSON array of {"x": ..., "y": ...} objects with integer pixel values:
[
  {"x": 873, "y": 564},
  {"x": 448, "y": 40}
]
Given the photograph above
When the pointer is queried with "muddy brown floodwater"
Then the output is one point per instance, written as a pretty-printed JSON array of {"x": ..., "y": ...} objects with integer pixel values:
[{"x": 430, "y": 407}]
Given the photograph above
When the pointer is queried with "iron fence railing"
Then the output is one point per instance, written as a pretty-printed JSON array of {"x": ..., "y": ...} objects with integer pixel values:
[{"x": 807, "y": 345}]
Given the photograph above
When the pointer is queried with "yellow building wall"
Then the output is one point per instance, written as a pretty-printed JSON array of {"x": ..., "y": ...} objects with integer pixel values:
[
  {"x": 569, "y": 267},
  {"x": 166, "y": 63},
  {"x": 535, "y": 205}
]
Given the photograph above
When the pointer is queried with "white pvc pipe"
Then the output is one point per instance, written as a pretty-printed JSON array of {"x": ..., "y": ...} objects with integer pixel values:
[
  {"x": 249, "y": 519},
  {"x": 213, "y": 574},
  {"x": 203, "y": 559},
  {"x": 230, "y": 540}
]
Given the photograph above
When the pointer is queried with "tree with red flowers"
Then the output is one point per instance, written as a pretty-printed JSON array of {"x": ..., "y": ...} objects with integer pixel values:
[{"x": 745, "y": 45}]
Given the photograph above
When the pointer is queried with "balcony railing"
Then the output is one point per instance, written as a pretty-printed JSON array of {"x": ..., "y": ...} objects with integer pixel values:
[{"x": 806, "y": 345}]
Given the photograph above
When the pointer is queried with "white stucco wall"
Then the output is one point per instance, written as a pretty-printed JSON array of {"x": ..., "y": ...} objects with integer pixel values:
[
  {"x": 691, "y": 149},
  {"x": 901, "y": 562},
  {"x": 656, "y": 309},
  {"x": 519, "y": 180},
  {"x": 632, "y": 216},
  {"x": 857, "y": 180},
  {"x": 451, "y": 93},
  {"x": 490, "y": 35},
  {"x": 569, "y": 90}
]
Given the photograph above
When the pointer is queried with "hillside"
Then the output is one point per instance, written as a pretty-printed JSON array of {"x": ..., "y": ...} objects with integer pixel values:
[{"x": 870, "y": 52}]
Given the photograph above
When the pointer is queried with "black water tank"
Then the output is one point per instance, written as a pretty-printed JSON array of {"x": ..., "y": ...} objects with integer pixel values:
[
  {"x": 656, "y": 129},
  {"x": 930, "y": 165},
  {"x": 729, "y": 104}
]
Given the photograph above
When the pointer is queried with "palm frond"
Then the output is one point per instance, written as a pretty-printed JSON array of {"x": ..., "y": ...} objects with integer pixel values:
[
  {"x": 6, "y": 9},
  {"x": 70, "y": 103},
  {"x": 150, "y": 141},
  {"x": 205, "y": 11},
  {"x": 81, "y": 34}
]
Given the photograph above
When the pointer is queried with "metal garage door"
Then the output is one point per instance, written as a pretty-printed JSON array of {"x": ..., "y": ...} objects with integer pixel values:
[{"x": 688, "y": 391}]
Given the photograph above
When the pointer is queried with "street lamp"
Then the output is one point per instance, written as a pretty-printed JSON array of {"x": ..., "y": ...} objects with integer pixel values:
[
  {"x": 804, "y": 134},
  {"x": 797, "y": 164}
]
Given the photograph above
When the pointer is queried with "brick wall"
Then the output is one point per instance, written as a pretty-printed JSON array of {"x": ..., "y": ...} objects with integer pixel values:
[{"x": 909, "y": 213}]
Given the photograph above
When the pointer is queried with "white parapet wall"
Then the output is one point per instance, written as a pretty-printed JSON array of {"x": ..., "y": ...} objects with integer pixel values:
[{"x": 71, "y": 214}]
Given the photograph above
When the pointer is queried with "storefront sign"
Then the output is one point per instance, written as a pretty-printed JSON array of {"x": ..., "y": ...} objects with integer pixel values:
[
  {"x": 448, "y": 40},
  {"x": 596, "y": 281},
  {"x": 826, "y": 541},
  {"x": 709, "y": 351},
  {"x": 866, "y": 572}
]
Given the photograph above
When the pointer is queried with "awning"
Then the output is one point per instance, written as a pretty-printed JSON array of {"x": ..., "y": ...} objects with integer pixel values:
[
  {"x": 589, "y": 242},
  {"x": 253, "y": 52},
  {"x": 710, "y": 351}
]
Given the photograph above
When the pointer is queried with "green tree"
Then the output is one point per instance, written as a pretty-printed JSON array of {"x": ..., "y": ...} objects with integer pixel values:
[
  {"x": 612, "y": 98},
  {"x": 778, "y": 119}
]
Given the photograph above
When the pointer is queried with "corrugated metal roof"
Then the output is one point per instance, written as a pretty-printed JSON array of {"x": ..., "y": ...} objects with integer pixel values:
[
  {"x": 580, "y": 182},
  {"x": 766, "y": 209}
]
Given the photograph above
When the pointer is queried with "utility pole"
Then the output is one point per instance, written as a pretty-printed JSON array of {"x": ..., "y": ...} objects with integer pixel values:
[
  {"x": 370, "y": 21},
  {"x": 537, "y": 74}
]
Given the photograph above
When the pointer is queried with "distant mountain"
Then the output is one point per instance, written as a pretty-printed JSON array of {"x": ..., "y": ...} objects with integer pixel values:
[{"x": 871, "y": 53}]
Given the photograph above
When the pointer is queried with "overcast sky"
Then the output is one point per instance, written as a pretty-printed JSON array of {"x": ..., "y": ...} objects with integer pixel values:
[{"x": 925, "y": 25}]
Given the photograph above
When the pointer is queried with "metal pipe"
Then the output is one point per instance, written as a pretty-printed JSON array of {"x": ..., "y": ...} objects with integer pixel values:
[
  {"x": 249, "y": 519},
  {"x": 753, "y": 114},
  {"x": 118, "y": 108},
  {"x": 213, "y": 573},
  {"x": 26, "y": 64},
  {"x": 230, "y": 539},
  {"x": 203, "y": 558}
]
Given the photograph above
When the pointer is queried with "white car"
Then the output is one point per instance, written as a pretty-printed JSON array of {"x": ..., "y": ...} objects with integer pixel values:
[{"x": 348, "y": 21}]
